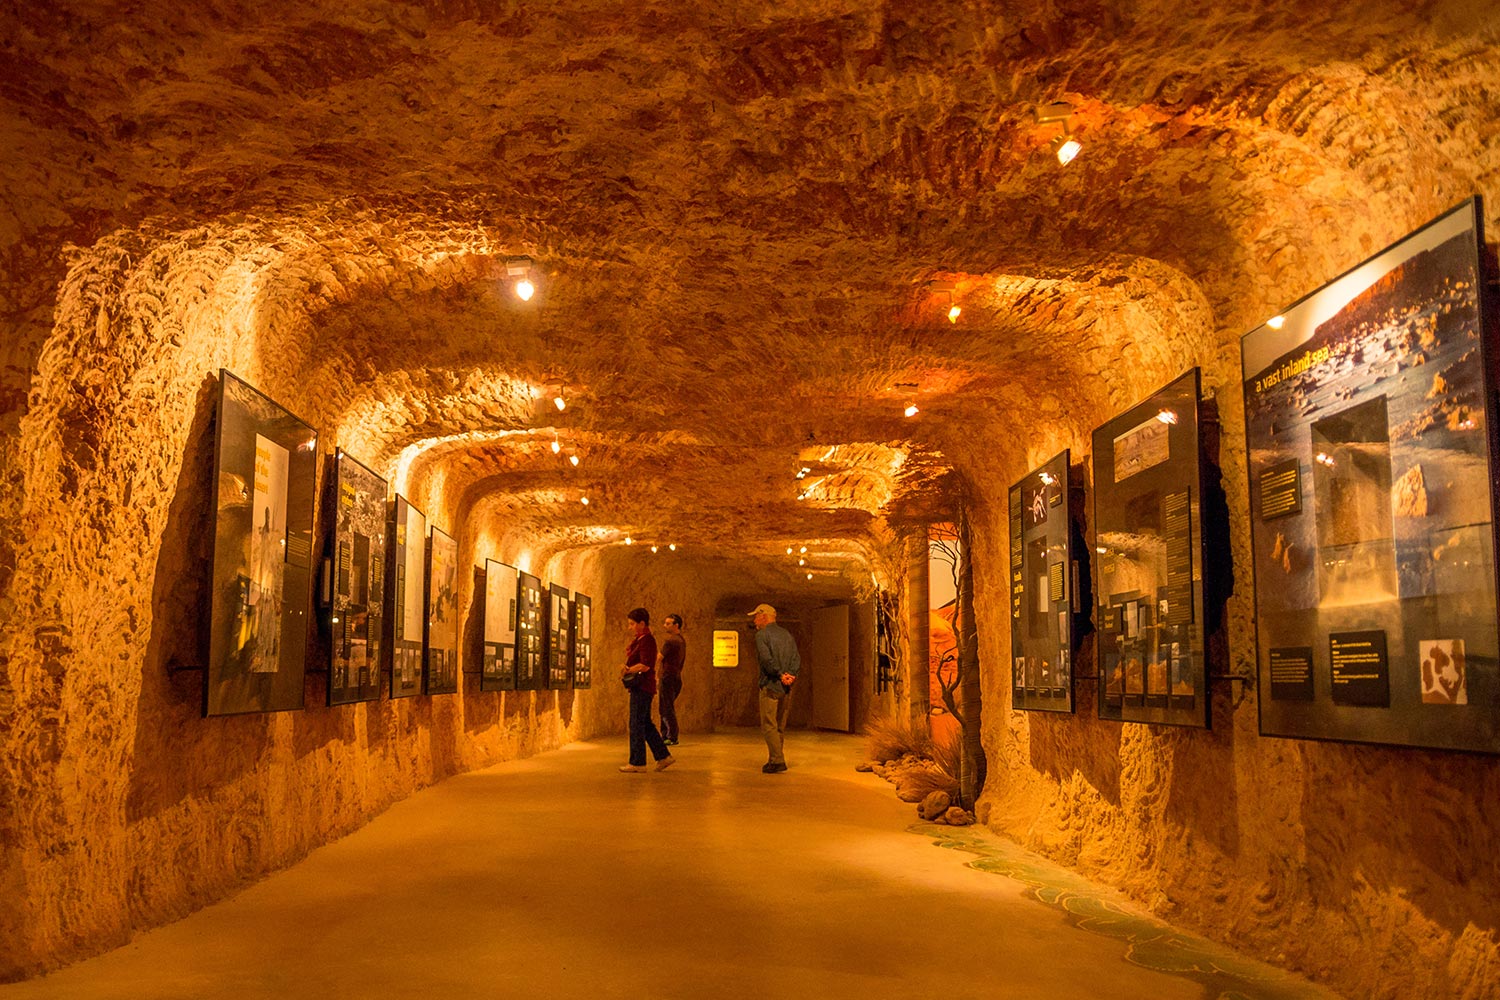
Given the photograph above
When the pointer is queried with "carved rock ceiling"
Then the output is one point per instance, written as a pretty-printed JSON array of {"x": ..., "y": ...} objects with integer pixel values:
[{"x": 736, "y": 211}]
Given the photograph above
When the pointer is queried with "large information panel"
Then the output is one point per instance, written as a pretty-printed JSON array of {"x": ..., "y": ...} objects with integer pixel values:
[
  {"x": 1045, "y": 597},
  {"x": 441, "y": 673},
  {"x": 529, "y": 673},
  {"x": 1367, "y": 412},
  {"x": 1148, "y": 486},
  {"x": 501, "y": 583},
  {"x": 583, "y": 641},
  {"x": 357, "y": 607},
  {"x": 408, "y": 548},
  {"x": 265, "y": 468},
  {"x": 559, "y": 638}
]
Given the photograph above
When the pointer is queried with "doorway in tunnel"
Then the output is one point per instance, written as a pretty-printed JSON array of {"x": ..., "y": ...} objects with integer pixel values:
[{"x": 833, "y": 647}]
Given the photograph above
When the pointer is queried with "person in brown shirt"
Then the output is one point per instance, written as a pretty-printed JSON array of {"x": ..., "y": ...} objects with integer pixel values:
[
  {"x": 673, "y": 653},
  {"x": 639, "y": 677}
]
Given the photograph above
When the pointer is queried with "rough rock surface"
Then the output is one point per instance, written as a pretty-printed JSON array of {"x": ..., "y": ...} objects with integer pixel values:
[
  {"x": 737, "y": 213},
  {"x": 935, "y": 804}
]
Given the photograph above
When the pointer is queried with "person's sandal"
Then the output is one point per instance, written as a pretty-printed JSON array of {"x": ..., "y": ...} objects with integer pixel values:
[
  {"x": 664, "y": 763},
  {"x": 632, "y": 768}
]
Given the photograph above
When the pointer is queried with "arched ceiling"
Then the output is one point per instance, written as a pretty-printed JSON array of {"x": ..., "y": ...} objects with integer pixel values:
[{"x": 736, "y": 212}]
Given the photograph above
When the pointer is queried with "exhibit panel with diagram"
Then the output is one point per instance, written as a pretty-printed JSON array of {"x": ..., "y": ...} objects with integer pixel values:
[
  {"x": 583, "y": 645},
  {"x": 265, "y": 467},
  {"x": 356, "y": 581},
  {"x": 1148, "y": 538},
  {"x": 529, "y": 634},
  {"x": 440, "y": 674},
  {"x": 498, "y": 670},
  {"x": 559, "y": 638},
  {"x": 1049, "y": 602},
  {"x": 407, "y": 532},
  {"x": 1369, "y": 443}
]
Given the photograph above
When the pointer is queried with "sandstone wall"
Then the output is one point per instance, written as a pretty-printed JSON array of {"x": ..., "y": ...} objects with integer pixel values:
[{"x": 1371, "y": 869}]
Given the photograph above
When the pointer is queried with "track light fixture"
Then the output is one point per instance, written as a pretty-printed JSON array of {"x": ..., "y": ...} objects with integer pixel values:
[
  {"x": 1064, "y": 146},
  {"x": 519, "y": 269}
]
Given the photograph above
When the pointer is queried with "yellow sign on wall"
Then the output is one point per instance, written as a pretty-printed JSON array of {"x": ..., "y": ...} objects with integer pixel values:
[{"x": 726, "y": 649}]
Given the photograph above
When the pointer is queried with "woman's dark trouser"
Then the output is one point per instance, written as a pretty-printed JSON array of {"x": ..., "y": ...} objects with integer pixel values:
[
  {"x": 670, "y": 687},
  {"x": 642, "y": 732}
]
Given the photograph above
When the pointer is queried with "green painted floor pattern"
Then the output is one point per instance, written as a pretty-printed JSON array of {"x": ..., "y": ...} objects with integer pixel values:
[{"x": 1223, "y": 973}]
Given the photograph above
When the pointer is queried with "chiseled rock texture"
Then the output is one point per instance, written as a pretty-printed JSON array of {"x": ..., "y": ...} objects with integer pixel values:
[{"x": 736, "y": 213}]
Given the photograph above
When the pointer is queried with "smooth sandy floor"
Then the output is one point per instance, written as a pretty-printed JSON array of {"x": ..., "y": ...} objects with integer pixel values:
[{"x": 560, "y": 877}]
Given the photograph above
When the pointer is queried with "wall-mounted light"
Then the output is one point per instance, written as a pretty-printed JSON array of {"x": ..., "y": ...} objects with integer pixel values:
[
  {"x": 556, "y": 446},
  {"x": 1064, "y": 146},
  {"x": 519, "y": 268},
  {"x": 948, "y": 288},
  {"x": 573, "y": 461},
  {"x": 629, "y": 540},
  {"x": 911, "y": 410},
  {"x": 953, "y": 313},
  {"x": 560, "y": 403}
]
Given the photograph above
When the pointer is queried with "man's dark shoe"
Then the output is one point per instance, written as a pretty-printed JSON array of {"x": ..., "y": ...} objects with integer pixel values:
[{"x": 769, "y": 768}]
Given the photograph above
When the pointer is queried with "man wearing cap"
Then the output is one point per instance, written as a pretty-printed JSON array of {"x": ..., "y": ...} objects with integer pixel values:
[{"x": 777, "y": 652}]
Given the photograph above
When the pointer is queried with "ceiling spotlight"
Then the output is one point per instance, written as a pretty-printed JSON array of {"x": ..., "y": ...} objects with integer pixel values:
[
  {"x": 953, "y": 313},
  {"x": 1064, "y": 146},
  {"x": 629, "y": 540},
  {"x": 788, "y": 550},
  {"x": 1276, "y": 322},
  {"x": 801, "y": 562},
  {"x": 520, "y": 268},
  {"x": 573, "y": 460},
  {"x": 911, "y": 410},
  {"x": 803, "y": 549},
  {"x": 560, "y": 403},
  {"x": 556, "y": 446},
  {"x": 672, "y": 547},
  {"x": 809, "y": 576},
  {"x": 653, "y": 548},
  {"x": 584, "y": 501}
]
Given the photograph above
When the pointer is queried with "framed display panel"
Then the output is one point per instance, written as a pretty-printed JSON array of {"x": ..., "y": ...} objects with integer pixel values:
[
  {"x": 357, "y": 604},
  {"x": 1368, "y": 415},
  {"x": 265, "y": 474},
  {"x": 1046, "y": 602},
  {"x": 529, "y": 673},
  {"x": 583, "y": 643},
  {"x": 1148, "y": 539},
  {"x": 440, "y": 672},
  {"x": 501, "y": 592},
  {"x": 407, "y": 533},
  {"x": 559, "y": 638}
]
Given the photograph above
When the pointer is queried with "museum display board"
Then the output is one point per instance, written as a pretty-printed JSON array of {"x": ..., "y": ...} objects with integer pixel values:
[
  {"x": 529, "y": 673},
  {"x": 440, "y": 675},
  {"x": 559, "y": 628},
  {"x": 407, "y": 534},
  {"x": 265, "y": 474},
  {"x": 357, "y": 570},
  {"x": 1046, "y": 523},
  {"x": 1368, "y": 424},
  {"x": 583, "y": 645},
  {"x": 501, "y": 584},
  {"x": 1148, "y": 538}
]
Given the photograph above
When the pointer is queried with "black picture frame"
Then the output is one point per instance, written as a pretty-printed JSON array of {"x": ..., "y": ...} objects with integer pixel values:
[
  {"x": 265, "y": 492},
  {"x": 1148, "y": 472},
  {"x": 559, "y": 627},
  {"x": 530, "y": 672},
  {"x": 440, "y": 625},
  {"x": 1051, "y": 601},
  {"x": 357, "y": 563},
  {"x": 583, "y": 642},
  {"x": 501, "y": 596},
  {"x": 1370, "y": 443},
  {"x": 406, "y": 570}
]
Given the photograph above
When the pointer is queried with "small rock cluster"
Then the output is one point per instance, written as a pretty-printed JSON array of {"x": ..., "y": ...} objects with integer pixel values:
[{"x": 914, "y": 777}]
